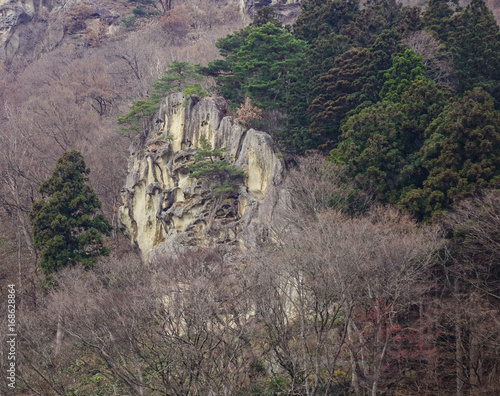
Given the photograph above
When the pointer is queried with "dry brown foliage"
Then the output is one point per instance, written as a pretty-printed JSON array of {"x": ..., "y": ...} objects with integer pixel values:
[
  {"x": 331, "y": 284},
  {"x": 438, "y": 64},
  {"x": 76, "y": 16},
  {"x": 177, "y": 22},
  {"x": 176, "y": 321},
  {"x": 470, "y": 317},
  {"x": 95, "y": 33},
  {"x": 247, "y": 113}
]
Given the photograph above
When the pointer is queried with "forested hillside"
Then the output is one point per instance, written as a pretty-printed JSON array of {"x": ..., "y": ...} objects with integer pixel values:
[
  {"x": 408, "y": 102},
  {"x": 377, "y": 271}
]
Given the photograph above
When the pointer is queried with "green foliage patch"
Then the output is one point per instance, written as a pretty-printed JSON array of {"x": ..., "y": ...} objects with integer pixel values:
[
  {"x": 260, "y": 63},
  {"x": 179, "y": 76},
  {"x": 210, "y": 164},
  {"x": 66, "y": 226}
]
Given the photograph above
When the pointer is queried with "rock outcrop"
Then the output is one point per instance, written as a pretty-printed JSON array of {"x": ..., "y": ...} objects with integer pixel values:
[
  {"x": 288, "y": 10},
  {"x": 29, "y": 28},
  {"x": 164, "y": 208},
  {"x": 13, "y": 12}
]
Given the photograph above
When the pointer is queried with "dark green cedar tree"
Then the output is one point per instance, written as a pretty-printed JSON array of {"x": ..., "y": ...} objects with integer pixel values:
[
  {"x": 370, "y": 148},
  {"x": 474, "y": 41},
  {"x": 353, "y": 84},
  {"x": 405, "y": 71},
  {"x": 460, "y": 156},
  {"x": 379, "y": 145},
  {"x": 437, "y": 17},
  {"x": 378, "y": 16},
  {"x": 65, "y": 226},
  {"x": 320, "y": 18},
  {"x": 319, "y": 24},
  {"x": 371, "y": 37}
]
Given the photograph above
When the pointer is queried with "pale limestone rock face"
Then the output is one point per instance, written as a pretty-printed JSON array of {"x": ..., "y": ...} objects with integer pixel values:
[
  {"x": 13, "y": 12},
  {"x": 163, "y": 208}
]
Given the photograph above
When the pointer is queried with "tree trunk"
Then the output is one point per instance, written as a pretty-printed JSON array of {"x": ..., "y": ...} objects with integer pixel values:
[
  {"x": 459, "y": 355},
  {"x": 59, "y": 337},
  {"x": 475, "y": 359},
  {"x": 459, "y": 360},
  {"x": 354, "y": 364}
]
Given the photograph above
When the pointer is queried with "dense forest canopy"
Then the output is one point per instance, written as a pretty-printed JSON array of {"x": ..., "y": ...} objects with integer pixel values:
[
  {"x": 380, "y": 274},
  {"x": 378, "y": 85}
]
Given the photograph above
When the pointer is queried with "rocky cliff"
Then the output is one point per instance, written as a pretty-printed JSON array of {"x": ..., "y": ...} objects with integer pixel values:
[
  {"x": 30, "y": 28},
  {"x": 163, "y": 207},
  {"x": 47, "y": 22},
  {"x": 13, "y": 12}
]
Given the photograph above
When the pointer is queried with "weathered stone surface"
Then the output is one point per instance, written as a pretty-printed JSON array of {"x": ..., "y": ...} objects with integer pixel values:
[
  {"x": 33, "y": 27},
  {"x": 13, "y": 12},
  {"x": 164, "y": 208},
  {"x": 288, "y": 10}
]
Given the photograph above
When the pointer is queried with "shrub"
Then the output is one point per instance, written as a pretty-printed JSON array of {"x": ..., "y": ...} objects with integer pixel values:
[
  {"x": 177, "y": 22},
  {"x": 247, "y": 113}
]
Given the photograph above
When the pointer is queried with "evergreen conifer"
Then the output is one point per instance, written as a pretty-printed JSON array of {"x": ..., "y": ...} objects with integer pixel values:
[{"x": 65, "y": 226}]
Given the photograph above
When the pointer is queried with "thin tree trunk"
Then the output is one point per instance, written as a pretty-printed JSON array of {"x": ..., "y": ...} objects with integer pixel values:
[
  {"x": 354, "y": 364},
  {"x": 459, "y": 356},
  {"x": 59, "y": 337},
  {"x": 459, "y": 360},
  {"x": 475, "y": 360},
  {"x": 302, "y": 334},
  {"x": 139, "y": 373}
]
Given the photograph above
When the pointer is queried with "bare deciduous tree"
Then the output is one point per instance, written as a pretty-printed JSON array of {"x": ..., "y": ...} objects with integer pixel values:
[
  {"x": 434, "y": 57},
  {"x": 472, "y": 307},
  {"x": 175, "y": 327},
  {"x": 337, "y": 284}
]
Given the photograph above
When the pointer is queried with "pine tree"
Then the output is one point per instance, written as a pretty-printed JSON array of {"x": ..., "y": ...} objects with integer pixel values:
[
  {"x": 179, "y": 76},
  {"x": 231, "y": 85},
  {"x": 210, "y": 164},
  {"x": 65, "y": 226},
  {"x": 260, "y": 62},
  {"x": 267, "y": 64}
]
